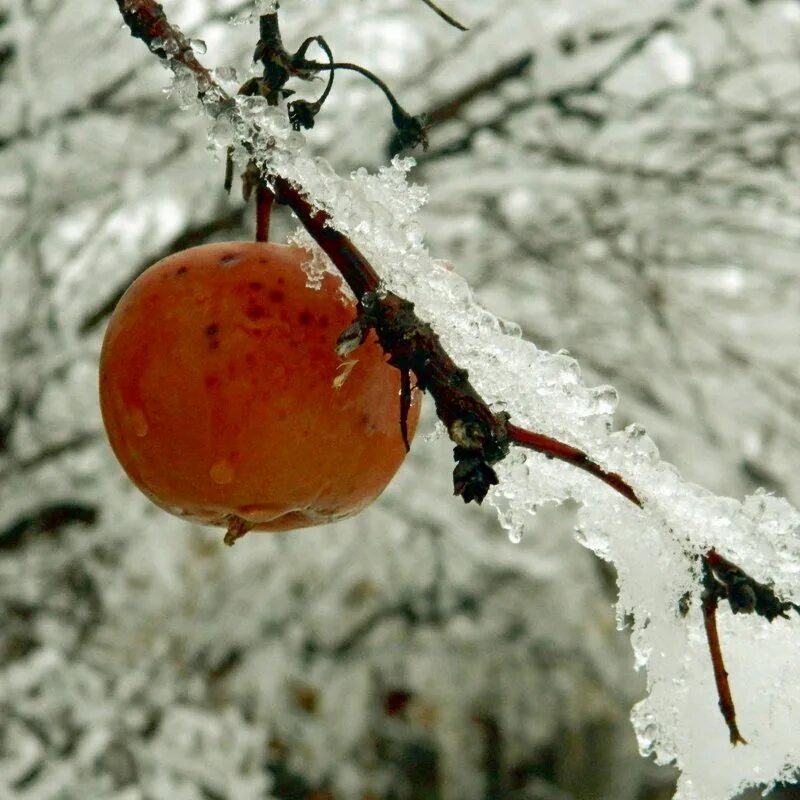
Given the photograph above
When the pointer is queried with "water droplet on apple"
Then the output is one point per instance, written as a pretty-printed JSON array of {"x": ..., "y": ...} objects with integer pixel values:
[
  {"x": 139, "y": 422},
  {"x": 222, "y": 472}
]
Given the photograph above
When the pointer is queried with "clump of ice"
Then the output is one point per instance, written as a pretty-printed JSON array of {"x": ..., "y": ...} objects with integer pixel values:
[
  {"x": 654, "y": 550},
  {"x": 252, "y": 15}
]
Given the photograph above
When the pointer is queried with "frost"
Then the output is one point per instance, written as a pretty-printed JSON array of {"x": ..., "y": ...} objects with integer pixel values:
[
  {"x": 633, "y": 197},
  {"x": 251, "y": 16},
  {"x": 183, "y": 87},
  {"x": 169, "y": 45},
  {"x": 318, "y": 264},
  {"x": 654, "y": 550}
]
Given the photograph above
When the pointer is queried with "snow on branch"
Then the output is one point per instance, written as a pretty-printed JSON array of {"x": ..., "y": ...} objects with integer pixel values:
[{"x": 678, "y": 549}]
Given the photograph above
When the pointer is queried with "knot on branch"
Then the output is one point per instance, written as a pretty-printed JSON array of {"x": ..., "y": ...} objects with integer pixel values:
[
  {"x": 472, "y": 476},
  {"x": 410, "y": 130},
  {"x": 480, "y": 436},
  {"x": 722, "y": 579},
  {"x": 302, "y": 113}
]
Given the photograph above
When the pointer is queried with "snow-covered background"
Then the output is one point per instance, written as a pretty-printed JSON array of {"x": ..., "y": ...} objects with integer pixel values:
[{"x": 621, "y": 181}]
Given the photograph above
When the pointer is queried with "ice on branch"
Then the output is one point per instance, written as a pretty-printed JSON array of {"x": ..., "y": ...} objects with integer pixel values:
[
  {"x": 259, "y": 7},
  {"x": 654, "y": 550}
]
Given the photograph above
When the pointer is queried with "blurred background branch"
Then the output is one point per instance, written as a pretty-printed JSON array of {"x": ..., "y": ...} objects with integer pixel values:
[{"x": 621, "y": 180}]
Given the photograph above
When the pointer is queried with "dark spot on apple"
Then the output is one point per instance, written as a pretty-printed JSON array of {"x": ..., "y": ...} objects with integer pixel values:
[
  {"x": 367, "y": 423},
  {"x": 228, "y": 259},
  {"x": 212, "y": 332},
  {"x": 254, "y": 311},
  {"x": 181, "y": 270},
  {"x": 212, "y": 382},
  {"x": 276, "y": 295},
  {"x": 305, "y": 317},
  {"x": 255, "y": 285}
]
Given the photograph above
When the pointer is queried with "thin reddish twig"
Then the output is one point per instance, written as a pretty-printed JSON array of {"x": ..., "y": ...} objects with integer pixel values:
[
  {"x": 553, "y": 448},
  {"x": 720, "y": 673},
  {"x": 482, "y": 437}
]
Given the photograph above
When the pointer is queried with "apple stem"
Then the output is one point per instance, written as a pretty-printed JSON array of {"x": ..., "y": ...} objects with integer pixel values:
[
  {"x": 237, "y": 527},
  {"x": 264, "y": 200}
]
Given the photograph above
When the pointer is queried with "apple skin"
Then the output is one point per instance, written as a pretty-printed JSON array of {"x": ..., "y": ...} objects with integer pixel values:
[{"x": 223, "y": 396}]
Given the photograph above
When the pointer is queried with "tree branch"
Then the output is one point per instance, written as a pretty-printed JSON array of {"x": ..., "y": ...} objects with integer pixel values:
[
  {"x": 47, "y": 519},
  {"x": 552, "y": 448},
  {"x": 720, "y": 673},
  {"x": 482, "y": 438},
  {"x": 445, "y": 16}
]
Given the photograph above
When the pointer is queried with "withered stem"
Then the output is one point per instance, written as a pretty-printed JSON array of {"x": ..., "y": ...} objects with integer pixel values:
[
  {"x": 720, "y": 673},
  {"x": 237, "y": 527},
  {"x": 553, "y": 448},
  {"x": 264, "y": 201},
  {"x": 445, "y": 16}
]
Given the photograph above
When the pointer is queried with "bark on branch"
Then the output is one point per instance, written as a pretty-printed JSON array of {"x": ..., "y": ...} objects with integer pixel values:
[{"x": 482, "y": 438}]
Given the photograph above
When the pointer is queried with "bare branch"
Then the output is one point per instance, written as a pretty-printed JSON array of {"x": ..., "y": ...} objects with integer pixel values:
[
  {"x": 47, "y": 519},
  {"x": 445, "y": 16},
  {"x": 552, "y": 448},
  {"x": 482, "y": 438},
  {"x": 720, "y": 673}
]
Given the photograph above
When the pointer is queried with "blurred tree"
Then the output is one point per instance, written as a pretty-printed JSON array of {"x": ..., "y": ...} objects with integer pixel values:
[{"x": 619, "y": 179}]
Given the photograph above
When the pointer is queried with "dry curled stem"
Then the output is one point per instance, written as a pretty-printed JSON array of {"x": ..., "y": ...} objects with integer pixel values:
[{"x": 445, "y": 16}]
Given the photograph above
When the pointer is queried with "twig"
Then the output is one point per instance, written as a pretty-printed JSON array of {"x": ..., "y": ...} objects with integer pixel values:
[
  {"x": 50, "y": 519},
  {"x": 303, "y": 112},
  {"x": 479, "y": 434},
  {"x": 264, "y": 200},
  {"x": 553, "y": 448},
  {"x": 148, "y": 22},
  {"x": 445, "y": 16},
  {"x": 482, "y": 438},
  {"x": 720, "y": 673},
  {"x": 724, "y": 580},
  {"x": 411, "y": 129}
]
